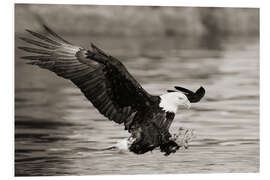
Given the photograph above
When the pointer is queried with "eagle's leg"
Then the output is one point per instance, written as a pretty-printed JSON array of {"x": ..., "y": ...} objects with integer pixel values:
[
  {"x": 147, "y": 136},
  {"x": 168, "y": 145}
]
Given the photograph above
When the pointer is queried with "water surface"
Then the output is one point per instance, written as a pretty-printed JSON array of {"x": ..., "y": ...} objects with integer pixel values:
[{"x": 58, "y": 132}]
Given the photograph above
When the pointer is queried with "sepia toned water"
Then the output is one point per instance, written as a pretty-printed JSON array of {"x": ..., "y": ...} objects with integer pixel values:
[{"x": 58, "y": 132}]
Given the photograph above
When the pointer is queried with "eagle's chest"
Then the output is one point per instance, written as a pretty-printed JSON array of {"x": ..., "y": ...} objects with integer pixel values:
[{"x": 156, "y": 117}]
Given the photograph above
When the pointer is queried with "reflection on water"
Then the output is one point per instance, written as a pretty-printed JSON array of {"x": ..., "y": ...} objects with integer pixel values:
[{"x": 58, "y": 132}]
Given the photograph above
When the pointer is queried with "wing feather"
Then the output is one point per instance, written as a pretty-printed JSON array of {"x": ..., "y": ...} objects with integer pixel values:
[
  {"x": 42, "y": 37},
  {"x": 102, "y": 78},
  {"x": 55, "y": 35},
  {"x": 38, "y": 43}
]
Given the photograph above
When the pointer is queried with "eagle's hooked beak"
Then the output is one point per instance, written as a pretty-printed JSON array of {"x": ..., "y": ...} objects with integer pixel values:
[{"x": 187, "y": 104}]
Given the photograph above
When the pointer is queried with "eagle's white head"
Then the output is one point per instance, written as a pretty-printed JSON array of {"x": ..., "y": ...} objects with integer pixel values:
[{"x": 174, "y": 100}]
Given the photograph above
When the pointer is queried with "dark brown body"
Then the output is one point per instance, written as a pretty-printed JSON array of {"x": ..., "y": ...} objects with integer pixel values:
[{"x": 150, "y": 128}]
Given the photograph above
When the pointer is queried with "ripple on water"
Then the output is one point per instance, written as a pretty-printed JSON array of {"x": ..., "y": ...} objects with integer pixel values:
[{"x": 58, "y": 132}]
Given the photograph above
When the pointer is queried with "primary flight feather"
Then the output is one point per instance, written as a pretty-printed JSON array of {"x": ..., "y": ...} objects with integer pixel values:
[{"x": 105, "y": 81}]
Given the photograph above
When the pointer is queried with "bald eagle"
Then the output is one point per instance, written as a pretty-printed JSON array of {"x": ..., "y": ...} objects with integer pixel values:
[{"x": 112, "y": 90}]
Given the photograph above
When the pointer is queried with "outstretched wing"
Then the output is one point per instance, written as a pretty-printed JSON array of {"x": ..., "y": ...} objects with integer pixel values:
[
  {"x": 193, "y": 97},
  {"x": 102, "y": 78}
]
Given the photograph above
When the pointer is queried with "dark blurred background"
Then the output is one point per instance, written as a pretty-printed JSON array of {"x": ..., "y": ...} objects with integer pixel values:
[{"x": 139, "y": 21}]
